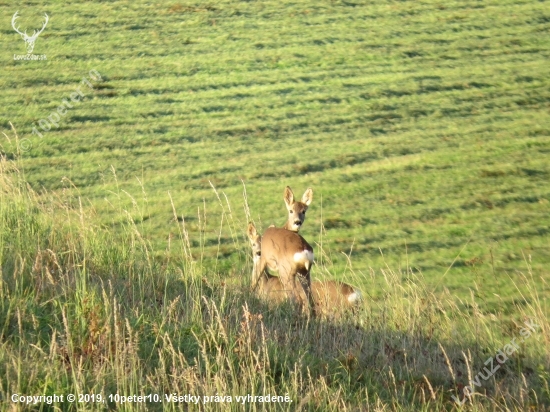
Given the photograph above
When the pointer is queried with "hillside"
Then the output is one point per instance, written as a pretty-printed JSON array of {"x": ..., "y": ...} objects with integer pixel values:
[{"x": 422, "y": 127}]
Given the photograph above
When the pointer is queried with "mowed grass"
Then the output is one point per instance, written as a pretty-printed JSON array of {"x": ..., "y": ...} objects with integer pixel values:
[
  {"x": 422, "y": 127},
  {"x": 86, "y": 310}
]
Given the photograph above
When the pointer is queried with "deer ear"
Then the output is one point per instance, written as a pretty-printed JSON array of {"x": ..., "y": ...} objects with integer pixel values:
[
  {"x": 308, "y": 196},
  {"x": 288, "y": 197},
  {"x": 251, "y": 231}
]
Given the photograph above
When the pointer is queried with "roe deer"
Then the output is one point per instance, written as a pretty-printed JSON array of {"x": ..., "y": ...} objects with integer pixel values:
[
  {"x": 268, "y": 286},
  {"x": 296, "y": 209},
  {"x": 329, "y": 297},
  {"x": 287, "y": 253}
]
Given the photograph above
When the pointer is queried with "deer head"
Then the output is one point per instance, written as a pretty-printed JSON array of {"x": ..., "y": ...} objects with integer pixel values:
[
  {"x": 296, "y": 209},
  {"x": 29, "y": 39}
]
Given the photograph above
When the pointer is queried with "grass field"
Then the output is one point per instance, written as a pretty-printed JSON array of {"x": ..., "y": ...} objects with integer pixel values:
[{"x": 422, "y": 127}]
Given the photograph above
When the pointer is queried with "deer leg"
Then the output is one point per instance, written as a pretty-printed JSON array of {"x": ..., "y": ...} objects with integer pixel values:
[
  {"x": 292, "y": 290},
  {"x": 305, "y": 292},
  {"x": 258, "y": 269}
]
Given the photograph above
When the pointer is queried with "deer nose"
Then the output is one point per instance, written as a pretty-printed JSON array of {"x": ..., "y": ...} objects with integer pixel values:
[{"x": 298, "y": 222}]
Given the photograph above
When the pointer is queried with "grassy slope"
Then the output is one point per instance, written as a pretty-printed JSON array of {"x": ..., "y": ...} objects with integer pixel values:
[
  {"x": 415, "y": 123},
  {"x": 86, "y": 310},
  {"x": 420, "y": 126}
]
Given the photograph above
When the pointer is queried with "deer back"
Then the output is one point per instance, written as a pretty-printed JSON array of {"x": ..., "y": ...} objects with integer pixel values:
[
  {"x": 332, "y": 297},
  {"x": 333, "y": 292},
  {"x": 286, "y": 252}
]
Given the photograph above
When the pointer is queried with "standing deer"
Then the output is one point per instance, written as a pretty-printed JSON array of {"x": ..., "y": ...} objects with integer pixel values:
[
  {"x": 30, "y": 40},
  {"x": 329, "y": 297},
  {"x": 268, "y": 286},
  {"x": 287, "y": 253}
]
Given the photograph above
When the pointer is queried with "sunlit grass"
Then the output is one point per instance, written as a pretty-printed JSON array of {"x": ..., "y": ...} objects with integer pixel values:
[
  {"x": 87, "y": 309},
  {"x": 421, "y": 127}
]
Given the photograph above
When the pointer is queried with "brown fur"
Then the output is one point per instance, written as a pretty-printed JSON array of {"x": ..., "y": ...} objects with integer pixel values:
[
  {"x": 296, "y": 209},
  {"x": 328, "y": 297}
]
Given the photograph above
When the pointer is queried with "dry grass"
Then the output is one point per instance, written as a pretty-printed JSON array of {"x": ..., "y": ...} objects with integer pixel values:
[{"x": 85, "y": 309}]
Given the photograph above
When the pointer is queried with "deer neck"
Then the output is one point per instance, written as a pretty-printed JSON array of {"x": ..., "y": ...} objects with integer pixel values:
[{"x": 288, "y": 226}]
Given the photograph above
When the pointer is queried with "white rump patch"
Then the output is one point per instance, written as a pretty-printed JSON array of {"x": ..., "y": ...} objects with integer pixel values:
[
  {"x": 304, "y": 257},
  {"x": 354, "y": 297}
]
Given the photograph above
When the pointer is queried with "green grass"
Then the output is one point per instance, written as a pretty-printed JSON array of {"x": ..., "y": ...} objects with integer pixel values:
[
  {"x": 88, "y": 310},
  {"x": 422, "y": 127}
]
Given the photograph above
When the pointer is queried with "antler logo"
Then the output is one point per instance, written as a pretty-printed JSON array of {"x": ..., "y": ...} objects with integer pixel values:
[{"x": 29, "y": 40}]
